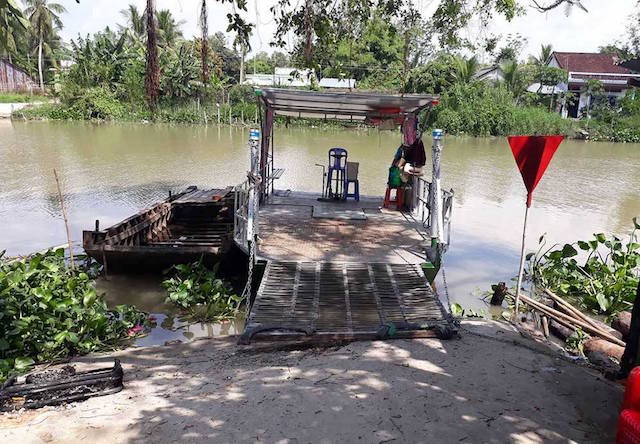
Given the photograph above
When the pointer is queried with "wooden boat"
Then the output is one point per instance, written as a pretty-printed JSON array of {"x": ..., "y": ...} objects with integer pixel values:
[{"x": 181, "y": 229}]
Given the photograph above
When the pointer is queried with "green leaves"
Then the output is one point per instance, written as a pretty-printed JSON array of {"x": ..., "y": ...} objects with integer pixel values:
[
  {"x": 49, "y": 311},
  {"x": 603, "y": 277},
  {"x": 22, "y": 363},
  {"x": 199, "y": 292}
]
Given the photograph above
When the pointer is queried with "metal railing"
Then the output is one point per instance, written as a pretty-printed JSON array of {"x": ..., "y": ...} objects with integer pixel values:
[
  {"x": 241, "y": 214},
  {"x": 422, "y": 206}
]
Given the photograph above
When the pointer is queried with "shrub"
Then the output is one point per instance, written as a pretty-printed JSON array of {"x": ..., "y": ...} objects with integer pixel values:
[
  {"x": 604, "y": 282},
  {"x": 200, "y": 293},
  {"x": 49, "y": 311}
]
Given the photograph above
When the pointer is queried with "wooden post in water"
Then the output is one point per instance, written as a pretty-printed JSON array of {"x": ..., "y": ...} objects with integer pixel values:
[{"x": 64, "y": 216}]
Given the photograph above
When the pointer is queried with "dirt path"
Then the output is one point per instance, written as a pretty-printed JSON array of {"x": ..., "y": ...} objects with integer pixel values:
[{"x": 467, "y": 390}]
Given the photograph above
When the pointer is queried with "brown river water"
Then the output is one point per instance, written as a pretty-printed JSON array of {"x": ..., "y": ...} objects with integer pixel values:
[{"x": 109, "y": 171}]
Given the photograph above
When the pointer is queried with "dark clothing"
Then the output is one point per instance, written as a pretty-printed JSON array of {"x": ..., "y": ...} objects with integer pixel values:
[{"x": 415, "y": 154}]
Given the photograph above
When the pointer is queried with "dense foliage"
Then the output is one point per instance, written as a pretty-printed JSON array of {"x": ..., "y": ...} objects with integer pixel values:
[
  {"x": 201, "y": 293},
  {"x": 483, "y": 110},
  {"x": 603, "y": 279},
  {"x": 49, "y": 311},
  {"x": 385, "y": 45}
]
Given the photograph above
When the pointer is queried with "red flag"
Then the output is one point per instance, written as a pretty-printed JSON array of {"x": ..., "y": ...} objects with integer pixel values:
[{"x": 533, "y": 155}]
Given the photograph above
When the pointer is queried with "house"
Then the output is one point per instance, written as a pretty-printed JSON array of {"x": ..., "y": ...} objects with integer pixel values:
[
  {"x": 492, "y": 74},
  {"x": 14, "y": 79},
  {"x": 282, "y": 77},
  {"x": 334, "y": 83},
  {"x": 584, "y": 66}
]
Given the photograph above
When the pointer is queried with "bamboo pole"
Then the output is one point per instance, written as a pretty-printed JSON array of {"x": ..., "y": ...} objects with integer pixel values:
[
  {"x": 572, "y": 310},
  {"x": 555, "y": 314},
  {"x": 521, "y": 269},
  {"x": 64, "y": 216}
]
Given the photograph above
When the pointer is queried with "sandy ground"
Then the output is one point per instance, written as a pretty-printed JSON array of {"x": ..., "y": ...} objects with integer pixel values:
[{"x": 471, "y": 389}]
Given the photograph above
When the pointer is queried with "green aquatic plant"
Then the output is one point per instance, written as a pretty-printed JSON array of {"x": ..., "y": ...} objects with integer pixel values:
[
  {"x": 199, "y": 292},
  {"x": 49, "y": 311},
  {"x": 602, "y": 279},
  {"x": 575, "y": 342}
]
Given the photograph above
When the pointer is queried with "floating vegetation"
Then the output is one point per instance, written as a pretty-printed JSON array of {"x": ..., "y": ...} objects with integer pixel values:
[
  {"x": 602, "y": 279},
  {"x": 50, "y": 311},
  {"x": 200, "y": 293}
]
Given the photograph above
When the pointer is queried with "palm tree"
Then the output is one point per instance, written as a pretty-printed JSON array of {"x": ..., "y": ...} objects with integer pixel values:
[
  {"x": 135, "y": 24},
  {"x": 466, "y": 69},
  {"x": 12, "y": 23},
  {"x": 45, "y": 21},
  {"x": 545, "y": 55},
  {"x": 204, "y": 47},
  {"x": 152, "y": 77},
  {"x": 168, "y": 28}
]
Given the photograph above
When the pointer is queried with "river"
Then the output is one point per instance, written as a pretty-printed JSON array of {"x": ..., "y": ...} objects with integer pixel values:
[{"x": 109, "y": 171}]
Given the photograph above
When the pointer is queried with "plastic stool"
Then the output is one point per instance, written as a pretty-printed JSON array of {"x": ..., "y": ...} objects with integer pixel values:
[{"x": 398, "y": 201}]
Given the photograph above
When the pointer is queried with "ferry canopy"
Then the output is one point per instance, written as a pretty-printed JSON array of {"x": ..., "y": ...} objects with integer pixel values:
[{"x": 343, "y": 105}]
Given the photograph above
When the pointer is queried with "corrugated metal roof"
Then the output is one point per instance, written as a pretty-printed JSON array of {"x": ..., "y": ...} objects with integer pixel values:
[{"x": 344, "y": 105}]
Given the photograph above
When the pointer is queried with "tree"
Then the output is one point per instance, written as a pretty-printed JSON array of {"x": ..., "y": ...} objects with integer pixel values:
[
  {"x": 622, "y": 52},
  {"x": 434, "y": 77},
  {"x": 593, "y": 89},
  {"x": 12, "y": 23},
  {"x": 568, "y": 4},
  {"x": 168, "y": 28},
  {"x": 466, "y": 69},
  {"x": 152, "y": 77},
  {"x": 634, "y": 32},
  {"x": 44, "y": 18},
  {"x": 135, "y": 25},
  {"x": 203, "y": 20},
  {"x": 511, "y": 49},
  {"x": 544, "y": 56}
]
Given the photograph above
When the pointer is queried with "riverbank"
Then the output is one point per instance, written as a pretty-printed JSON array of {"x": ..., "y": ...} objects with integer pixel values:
[
  {"x": 480, "y": 116},
  {"x": 474, "y": 388}
]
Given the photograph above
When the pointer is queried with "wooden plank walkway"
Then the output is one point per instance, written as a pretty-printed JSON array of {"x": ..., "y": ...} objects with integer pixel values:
[{"x": 324, "y": 301}]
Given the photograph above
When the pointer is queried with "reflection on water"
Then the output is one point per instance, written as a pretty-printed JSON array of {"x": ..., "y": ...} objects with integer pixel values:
[
  {"x": 110, "y": 170},
  {"x": 146, "y": 293}
]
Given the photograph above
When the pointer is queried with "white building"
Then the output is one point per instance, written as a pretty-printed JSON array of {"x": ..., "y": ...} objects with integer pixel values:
[
  {"x": 282, "y": 77},
  {"x": 582, "y": 66}
]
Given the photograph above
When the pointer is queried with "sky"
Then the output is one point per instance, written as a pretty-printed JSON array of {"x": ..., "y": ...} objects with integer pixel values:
[{"x": 605, "y": 22}]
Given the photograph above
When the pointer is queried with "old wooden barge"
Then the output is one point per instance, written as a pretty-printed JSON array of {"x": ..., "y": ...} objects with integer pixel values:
[
  {"x": 336, "y": 269},
  {"x": 183, "y": 228}
]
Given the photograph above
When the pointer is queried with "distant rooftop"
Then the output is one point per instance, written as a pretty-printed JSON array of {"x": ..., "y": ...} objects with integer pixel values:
[
  {"x": 330, "y": 82},
  {"x": 592, "y": 62}
]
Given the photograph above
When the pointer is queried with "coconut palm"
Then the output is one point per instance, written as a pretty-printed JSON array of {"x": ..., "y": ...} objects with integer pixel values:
[
  {"x": 203, "y": 21},
  {"x": 544, "y": 57},
  {"x": 135, "y": 24},
  {"x": 466, "y": 69},
  {"x": 12, "y": 22},
  {"x": 168, "y": 28},
  {"x": 44, "y": 18},
  {"x": 152, "y": 77}
]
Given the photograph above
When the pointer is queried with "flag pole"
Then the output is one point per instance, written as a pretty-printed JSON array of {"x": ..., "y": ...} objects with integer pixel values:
[{"x": 521, "y": 270}]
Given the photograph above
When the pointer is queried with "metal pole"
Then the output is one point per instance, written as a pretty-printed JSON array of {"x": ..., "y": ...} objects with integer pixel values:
[
  {"x": 521, "y": 270},
  {"x": 437, "y": 221},
  {"x": 254, "y": 144}
]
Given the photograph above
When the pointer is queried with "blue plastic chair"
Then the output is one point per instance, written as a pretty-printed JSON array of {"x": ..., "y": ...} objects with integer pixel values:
[{"x": 336, "y": 174}]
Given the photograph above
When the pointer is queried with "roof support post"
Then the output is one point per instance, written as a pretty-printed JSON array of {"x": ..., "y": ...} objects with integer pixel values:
[{"x": 437, "y": 220}]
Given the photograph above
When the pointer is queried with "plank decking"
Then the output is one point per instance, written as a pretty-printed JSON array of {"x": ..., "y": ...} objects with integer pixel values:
[{"x": 321, "y": 301}]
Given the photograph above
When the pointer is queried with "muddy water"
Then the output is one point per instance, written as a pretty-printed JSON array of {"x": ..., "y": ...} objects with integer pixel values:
[{"x": 109, "y": 171}]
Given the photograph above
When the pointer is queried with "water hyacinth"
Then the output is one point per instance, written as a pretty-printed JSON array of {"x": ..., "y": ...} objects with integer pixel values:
[{"x": 49, "y": 311}]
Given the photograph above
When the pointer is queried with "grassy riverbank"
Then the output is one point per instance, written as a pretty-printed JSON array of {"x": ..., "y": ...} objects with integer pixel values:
[
  {"x": 472, "y": 110},
  {"x": 22, "y": 98}
]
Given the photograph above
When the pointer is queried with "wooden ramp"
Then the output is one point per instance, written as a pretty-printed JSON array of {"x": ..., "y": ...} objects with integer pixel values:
[{"x": 325, "y": 301}]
